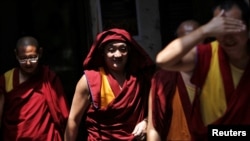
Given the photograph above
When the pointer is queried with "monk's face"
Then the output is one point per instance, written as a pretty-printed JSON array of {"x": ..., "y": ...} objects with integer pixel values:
[
  {"x": 234, "y": 42},
  {"x": 27, "y": 57},
  {"x": 116, "y": 55}
]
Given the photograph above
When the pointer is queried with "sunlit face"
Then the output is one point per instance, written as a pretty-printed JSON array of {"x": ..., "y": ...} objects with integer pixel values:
[
  {"x": 27, "y": 57},
  {"x": 232, "y": 43},
  {"x": 116, "y": 55}
]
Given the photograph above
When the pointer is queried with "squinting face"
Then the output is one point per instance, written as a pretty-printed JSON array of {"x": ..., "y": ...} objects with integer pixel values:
[
  {"x": 27, "y": 57},
  {"x": 116, "y": 55},
  {"x": 233, "y": 42}
]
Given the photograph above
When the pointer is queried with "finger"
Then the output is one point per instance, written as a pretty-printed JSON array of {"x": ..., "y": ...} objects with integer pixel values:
[
  {"x": 135, "y": 130},
  {"x": 141, "y": 137},
  {"x": 221, "y": 13},
  {"x": 139, "y": 133},
  {"x": 235, "y": 27},
  {"x": 234, "y": 21}
]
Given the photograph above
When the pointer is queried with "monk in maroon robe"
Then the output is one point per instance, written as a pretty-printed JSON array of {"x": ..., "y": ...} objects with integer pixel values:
[
  {"x": 35, "y": 107},
  {"x": 170, "y": 100},
  {"x": 169, "y": 108},
  {"x": 220, "y": 69},
  {"x": 113, "y": 92}
]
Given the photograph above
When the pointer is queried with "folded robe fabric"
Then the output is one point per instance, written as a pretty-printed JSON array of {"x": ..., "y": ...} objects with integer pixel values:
[
  {"x": 164, "y": 86},
  {"x": 129, "y": 106},
  {"x": 35, "y": 109},
  {"x": 237, "y": 98}
]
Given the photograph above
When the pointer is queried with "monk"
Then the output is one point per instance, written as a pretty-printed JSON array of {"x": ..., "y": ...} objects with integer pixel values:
[
  {"x": 35, "y": 106},
  {"x": 220, "y": 69},
  {"x": 183, "y": 29},
  {"x": 169, "y": 108},
  {"x": 170, "y": 100},
  {"x": 112, "y": 95},
  {"x": 186, "y": 27}
]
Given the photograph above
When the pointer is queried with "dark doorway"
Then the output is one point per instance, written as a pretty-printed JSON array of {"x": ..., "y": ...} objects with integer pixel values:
[
  {"x": 172, "y": 13},
  {"x": 62, "y": 28}
]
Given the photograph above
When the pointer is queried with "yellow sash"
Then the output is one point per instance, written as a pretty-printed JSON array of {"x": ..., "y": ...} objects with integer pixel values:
[
  {"x": 9, "y": 80},
  {"x": 236, "y": 73},
  {"x": 213, "y": 101},
  {"x": 107, "y": 94},
  {"x": 178, "y": 130}
]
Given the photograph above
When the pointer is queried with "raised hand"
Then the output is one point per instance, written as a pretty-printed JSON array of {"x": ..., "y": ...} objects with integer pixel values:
[{"x": 221, "y": 24}]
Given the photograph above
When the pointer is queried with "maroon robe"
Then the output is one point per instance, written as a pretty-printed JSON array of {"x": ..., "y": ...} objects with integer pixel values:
[
  {"x": 119, "y": 118},
  {"x": 163, "y": 88},
  {"x": 35, "y": 110},
  {"x": 237, "y": 99}
]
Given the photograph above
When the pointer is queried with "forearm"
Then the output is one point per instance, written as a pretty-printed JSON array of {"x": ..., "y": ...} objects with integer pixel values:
[
  {"x": 152, "y": 135},
  {"x": 171, "y": 56},
  {"x": 80, "y": 103},
  {"x": 71, "y": 130},
  {"x": 176, "y": 55}
]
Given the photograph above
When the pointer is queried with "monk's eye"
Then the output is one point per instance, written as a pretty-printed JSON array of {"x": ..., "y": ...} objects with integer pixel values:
[
  {"x": 123, "y": 49},
  {"x": 111, "y": 49}
]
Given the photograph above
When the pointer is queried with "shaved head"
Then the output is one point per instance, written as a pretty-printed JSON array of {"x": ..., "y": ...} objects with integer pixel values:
[
  {"x": 186, "y": 27},
  {"x": 27, "y": 40}
]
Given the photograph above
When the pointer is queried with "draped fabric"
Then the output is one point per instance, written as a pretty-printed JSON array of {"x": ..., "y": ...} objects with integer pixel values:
[
  {"x": 117, "y": 120},
  {"x": 138, "y": 59},
  {"x": 165, "y": 87},
  {"x": 107, "y": 94},
  {"x": 35, "y": 110},
  {"x": 237, "y": 98}
]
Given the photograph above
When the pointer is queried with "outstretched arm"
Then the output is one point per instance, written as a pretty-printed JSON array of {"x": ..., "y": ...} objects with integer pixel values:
[
  {"x": 178, "y": 55},
  {"x": 79, "y": 106},
  {"x": 152, "y": 134}
]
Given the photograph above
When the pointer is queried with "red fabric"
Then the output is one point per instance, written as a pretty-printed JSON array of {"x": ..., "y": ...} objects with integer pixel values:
[
  {"x": 163, "y": 87},
  {"x": 138, "y": 58},
  {"x": 129, "y": 107},
  {"x": 35, "y": 110},
  {"x": 238, "y": 105}
]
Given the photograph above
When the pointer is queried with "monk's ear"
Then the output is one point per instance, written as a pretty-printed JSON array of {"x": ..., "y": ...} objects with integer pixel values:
[{"x": 40, "y": 52}]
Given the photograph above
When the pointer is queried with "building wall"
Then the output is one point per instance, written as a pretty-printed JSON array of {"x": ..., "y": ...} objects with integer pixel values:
[{"x": 148, "y": 24}]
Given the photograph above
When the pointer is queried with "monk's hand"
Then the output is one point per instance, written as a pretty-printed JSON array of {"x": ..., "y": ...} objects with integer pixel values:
[
  {"x": 140, "y": 130},
  {"x": 221, "y": 25}
]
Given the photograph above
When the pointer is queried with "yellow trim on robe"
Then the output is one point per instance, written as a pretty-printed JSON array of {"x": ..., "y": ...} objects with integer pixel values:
[
  {"x": 191, "y": 92},
  {"x": 107, "y": 94},
  {"x": 236, "y": 73},
  {"x": 9, "y": 80},
  {"x": 178, "y": 130},
  {"x": 213, "y": 101}
]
